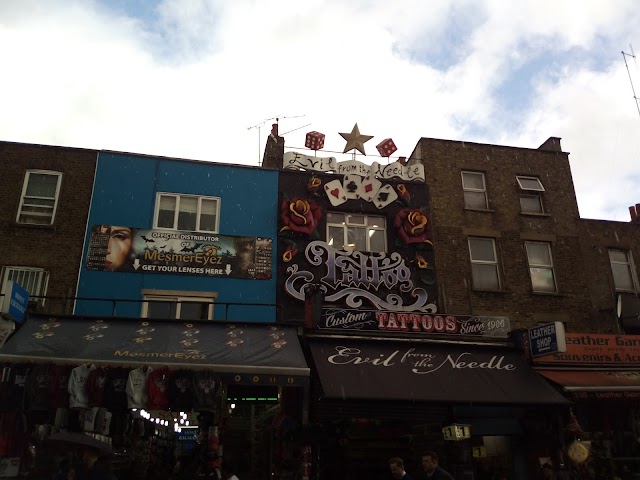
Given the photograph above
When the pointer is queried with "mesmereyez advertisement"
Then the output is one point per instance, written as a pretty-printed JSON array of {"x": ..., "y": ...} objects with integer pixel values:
[{"x": 126, "y": 249}]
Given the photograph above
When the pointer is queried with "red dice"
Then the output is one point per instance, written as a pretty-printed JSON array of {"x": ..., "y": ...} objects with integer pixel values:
[
  {"x": 386, "y": 147},
  {"x": 314, "y": 140}
]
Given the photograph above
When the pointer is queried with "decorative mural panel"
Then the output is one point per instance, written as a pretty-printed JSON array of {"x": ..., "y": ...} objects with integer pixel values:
[{"x": 362, "y": 239}]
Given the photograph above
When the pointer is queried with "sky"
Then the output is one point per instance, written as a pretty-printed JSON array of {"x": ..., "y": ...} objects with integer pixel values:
[{"x": 206, "y": 79}]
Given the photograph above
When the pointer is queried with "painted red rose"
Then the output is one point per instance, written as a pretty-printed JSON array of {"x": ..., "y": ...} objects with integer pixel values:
[
  {"x": 300, "y": 215},
  {"x": 412, "y": 226}
]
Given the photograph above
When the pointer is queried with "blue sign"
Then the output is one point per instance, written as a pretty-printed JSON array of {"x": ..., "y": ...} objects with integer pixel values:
[
  {"x": 16, "y": 300},
  {"x": 547, "y": 339}
]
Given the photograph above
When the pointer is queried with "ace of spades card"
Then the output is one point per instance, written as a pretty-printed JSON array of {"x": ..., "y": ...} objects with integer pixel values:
[
  {"x": 385, "y": 196},
  {"x": 335, "y": 192},
  {"x": 352, "y": 186},
  {"x": 369, "y": 188}
]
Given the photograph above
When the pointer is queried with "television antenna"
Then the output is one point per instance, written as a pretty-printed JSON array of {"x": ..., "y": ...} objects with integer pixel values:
[
  {"x": 633, "y": 90},
  {"x": 259, "y": 126}
]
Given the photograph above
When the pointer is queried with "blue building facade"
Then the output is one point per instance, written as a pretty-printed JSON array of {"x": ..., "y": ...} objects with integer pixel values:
[{"x": 170, "y": 238}]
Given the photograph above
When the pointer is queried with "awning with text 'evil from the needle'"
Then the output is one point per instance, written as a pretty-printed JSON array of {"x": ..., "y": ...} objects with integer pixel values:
[{"x": 456, "y": 373}]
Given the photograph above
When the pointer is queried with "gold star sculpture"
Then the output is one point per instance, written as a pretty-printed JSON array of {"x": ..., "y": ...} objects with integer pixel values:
[{"x": 355, "y": 140}]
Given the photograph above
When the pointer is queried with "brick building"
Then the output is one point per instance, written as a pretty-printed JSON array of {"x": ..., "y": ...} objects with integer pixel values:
[
  {"x": 44, "y": 201},
  {"x": 509, "y": 239}
]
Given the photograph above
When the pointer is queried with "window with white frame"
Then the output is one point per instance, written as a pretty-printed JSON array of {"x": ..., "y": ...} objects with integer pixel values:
[
  {"x": 39, "y": 199},
  {"x": 541, "y": 267},
  {"x": 187, "y": 212},
  {"x": 33, "y": 280},
  {"x": 475, "y": 191},
  {"x": 531, "y": 191},
  {"x": 178, "y": 305},
  {"x": 484, "y": 263},
  {"x": 623, "y": 271},
  {"x": 365, "y": 233}
]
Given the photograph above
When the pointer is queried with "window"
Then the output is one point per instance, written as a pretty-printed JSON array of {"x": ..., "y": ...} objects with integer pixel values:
[
  {"x": 531, "y": 194},
  {"x": 365, "y": 233},
  {"x": 187, "y": 212},
  {"x": 39, "y": 198},
  {"x": 484, "y": 263},
  {"x": 475, "y": 190},
  {"x": 622, "y": 268},
  {"x": 541, "y": 267},
  {"x": 178, "y": 305},
  {"x": 33, "y": 280}
]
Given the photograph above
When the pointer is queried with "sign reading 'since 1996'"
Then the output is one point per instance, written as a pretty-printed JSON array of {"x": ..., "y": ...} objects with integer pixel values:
[{"x": 407, "y": 322}]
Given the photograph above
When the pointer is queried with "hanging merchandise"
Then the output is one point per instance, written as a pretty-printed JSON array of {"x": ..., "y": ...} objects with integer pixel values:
[
  {"x": 573, "y": 426},
  {"x": 77, "y": 386},
  {"x": 181, "y": 391},
  {"x": 96, "y": 382},
  {"x": 137, "y": 395},
  {"x": 158, "y": 388},
  {"x": 577, "y": 452},
  {"x": 38, "y": 387}
]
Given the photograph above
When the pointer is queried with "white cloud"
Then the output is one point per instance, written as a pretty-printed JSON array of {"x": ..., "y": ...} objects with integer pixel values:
[{"x": 193, "y": 77}]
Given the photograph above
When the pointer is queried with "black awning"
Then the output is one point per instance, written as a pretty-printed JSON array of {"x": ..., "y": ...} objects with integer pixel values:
[
  {"x": 388, "y": 370},
  {"x": 248, "y": 350}
]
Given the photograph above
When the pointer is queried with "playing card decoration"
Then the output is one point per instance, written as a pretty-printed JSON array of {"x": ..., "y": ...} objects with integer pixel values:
[
  {"x": 386, "y": 147},
  {"x": 385, "y": 196},
  {"x": 412, "y": 226},
  {"x": 335, "y": 192},
  {"x": 314, "y": 140},
  {"x": 300, "y": 216},
  {"x": 355, "y": 140}
]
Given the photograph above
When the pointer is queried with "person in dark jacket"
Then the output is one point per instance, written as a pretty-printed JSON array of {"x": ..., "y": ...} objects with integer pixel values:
[
  {"x": 431, "y": 469},
  {"x": 396, "y": 465}
]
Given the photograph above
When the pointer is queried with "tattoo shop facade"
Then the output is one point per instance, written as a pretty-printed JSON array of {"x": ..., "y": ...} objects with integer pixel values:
[{"x": 389, "y": 369}]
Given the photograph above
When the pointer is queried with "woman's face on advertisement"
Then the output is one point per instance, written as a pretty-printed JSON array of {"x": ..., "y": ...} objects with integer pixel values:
[{"x": 120, "y": 241}]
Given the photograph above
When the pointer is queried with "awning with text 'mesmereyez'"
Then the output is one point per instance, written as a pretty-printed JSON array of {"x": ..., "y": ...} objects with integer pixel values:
[
  {"x": 393, "y": 370},
  {"x": 247, "y": 353}
]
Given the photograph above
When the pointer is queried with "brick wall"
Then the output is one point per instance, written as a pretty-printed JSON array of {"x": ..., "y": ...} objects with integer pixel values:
[
  {"x": 453, "y": 224},
  {"x": 56, "y": 248}
]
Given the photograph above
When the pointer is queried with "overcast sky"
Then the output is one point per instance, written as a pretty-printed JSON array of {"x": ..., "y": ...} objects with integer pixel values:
[{"x": 190, "y": 78}]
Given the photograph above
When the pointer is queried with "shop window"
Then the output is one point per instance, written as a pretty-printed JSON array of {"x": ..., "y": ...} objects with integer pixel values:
[
  {"x": 541, "y": 267},
  {"x": 623, "y": 270},
  {"x": 484, "y": 263},
  {"x": 475, "y": 191},
  {"x": 187, "y": 212},
  {"x": 531, "y": 191},
  {"x": 39, "y": 198},
  {"x": 33, "y": 280},
  {"x": 365, "y": 233},
  {"x": 178, "y": 305}
]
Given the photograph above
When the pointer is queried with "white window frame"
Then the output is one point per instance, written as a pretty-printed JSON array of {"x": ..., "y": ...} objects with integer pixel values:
[
  {"x": 483, "y": 190},
  {"x": 629, "y": 266},
  {"x": 346, "y": 224},
  {"x": 24, "y": 201},
  {"x": 538, "y": 188},
  {"x": 486, "y": 262},
  {"x": 178, "y": 196},
  {"x": 178, "y": 297},
  {"x": 531, "y": 191},
  {"x": 41, "y": 281},
  {"x": 535, "y": 266}
]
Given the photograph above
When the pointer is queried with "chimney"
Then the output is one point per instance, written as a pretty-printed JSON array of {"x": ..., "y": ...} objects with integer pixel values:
[
  {"x": 273, "y": 150},
  {"x": 552, "y": 144},
  {"x": 635, "y": 215}
]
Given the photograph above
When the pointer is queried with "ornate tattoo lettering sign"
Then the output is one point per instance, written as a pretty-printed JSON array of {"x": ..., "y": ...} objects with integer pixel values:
[{"x": 353, "y": 276}]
